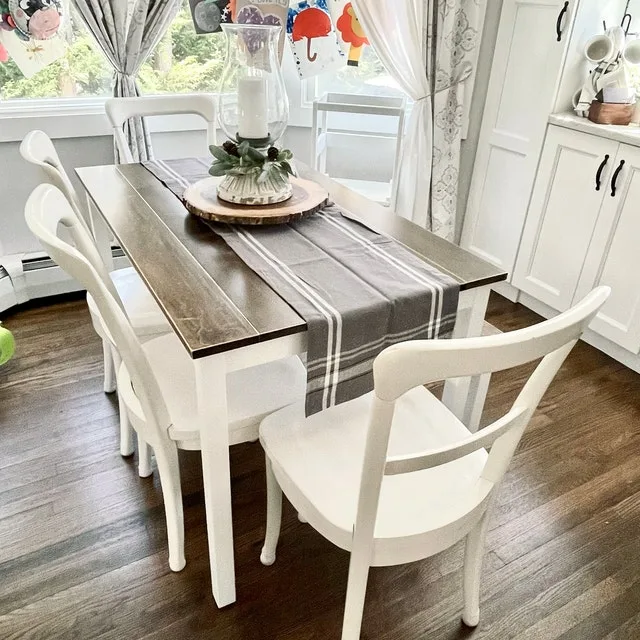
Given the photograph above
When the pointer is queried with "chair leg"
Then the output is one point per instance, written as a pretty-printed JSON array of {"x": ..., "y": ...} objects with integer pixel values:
[
  {"x": 169, "y": 471},
  {"x": 144, "y": 458},
  {"x": 126, "y": 430},
  {"x": 109, "y": 368},
  {"x": 356, "y": 592},
  {"x": 274, "y": 517},
  {"x": 473, "y": 557}
]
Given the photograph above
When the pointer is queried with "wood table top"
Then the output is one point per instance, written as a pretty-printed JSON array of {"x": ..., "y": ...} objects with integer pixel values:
[{"x": 214, "y": 302}]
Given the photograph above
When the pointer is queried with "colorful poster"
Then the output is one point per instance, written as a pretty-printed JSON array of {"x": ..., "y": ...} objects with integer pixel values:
[
  {"x": 208, "y": 15},
  {"x": 32, "y": 56},
  {"x": 271, "y": 12},
  {"x": 350, "y": 32},
  {"x": 314, "y": 42}
]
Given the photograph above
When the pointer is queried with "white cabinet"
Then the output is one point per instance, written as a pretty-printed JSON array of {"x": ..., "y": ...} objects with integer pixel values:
[
  {"x": 578, "y": 236},
  {"x": 614, "y": 256},
  {"x": 531, "y": 43},
  {"x": 564, "y": 209},
  {"x": 537, "y": 67}
]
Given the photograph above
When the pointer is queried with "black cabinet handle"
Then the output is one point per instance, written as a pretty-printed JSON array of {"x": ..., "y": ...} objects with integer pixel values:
[
  {"x": 614, "y": 180},
  {"x": 564, "y": 10},
  {"x": 600, "y": 170}
]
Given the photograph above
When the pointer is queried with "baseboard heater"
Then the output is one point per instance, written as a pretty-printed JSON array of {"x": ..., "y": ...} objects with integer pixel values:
[{"x": 40, "y": 277}]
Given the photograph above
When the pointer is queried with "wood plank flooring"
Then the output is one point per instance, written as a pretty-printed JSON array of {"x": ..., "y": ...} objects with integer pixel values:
[{"x": 83, "y": 545}]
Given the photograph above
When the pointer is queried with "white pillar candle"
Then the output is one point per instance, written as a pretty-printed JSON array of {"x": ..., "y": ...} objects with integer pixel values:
[{"x": 252, "y": 107}]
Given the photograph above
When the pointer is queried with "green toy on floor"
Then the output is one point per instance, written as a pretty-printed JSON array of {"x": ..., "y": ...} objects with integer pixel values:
[{"x": 7, "y": 345}]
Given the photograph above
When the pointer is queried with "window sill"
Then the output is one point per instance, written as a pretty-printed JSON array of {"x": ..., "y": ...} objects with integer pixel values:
[{"x": 75, "y": 119}]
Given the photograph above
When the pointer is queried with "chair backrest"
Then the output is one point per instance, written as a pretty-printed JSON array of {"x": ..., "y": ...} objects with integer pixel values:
[
  {"x": 120, "y": 110},
  {"x": 47, "y": 211},
  {"x": 405, "y": 366},
  {"x": 38, "y": 149}
]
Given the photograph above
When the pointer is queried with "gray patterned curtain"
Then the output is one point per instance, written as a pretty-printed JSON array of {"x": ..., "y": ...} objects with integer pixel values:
[
  {"x": 430, "y": 52},
  {"x": 127, "y": 31},
  {"x": 452, "y": 41}
]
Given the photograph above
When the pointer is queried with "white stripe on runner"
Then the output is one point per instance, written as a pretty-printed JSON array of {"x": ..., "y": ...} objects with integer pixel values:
[
  {"x": 331, "y": 314},
  {"x": 435, "y": 288},
  {"x": 181, "y": 180}
]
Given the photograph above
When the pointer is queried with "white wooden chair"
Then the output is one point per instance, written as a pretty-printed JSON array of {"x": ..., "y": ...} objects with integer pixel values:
[
  {"x": 120, "y": 110},
  {"x": 394, "y": 477},
  {"x": 132, "y": 294},
  {"x": 157, "y": 379}
]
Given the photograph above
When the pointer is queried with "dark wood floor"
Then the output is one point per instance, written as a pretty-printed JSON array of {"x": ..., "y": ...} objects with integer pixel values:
[{"x": 83, "y": 546}]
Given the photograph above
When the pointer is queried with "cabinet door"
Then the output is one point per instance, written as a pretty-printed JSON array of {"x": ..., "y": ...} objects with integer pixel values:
[
  {"x": 614, "y": 256},
  {"x": 524, "y": 77},
  {"x": 563, "y": 213}
]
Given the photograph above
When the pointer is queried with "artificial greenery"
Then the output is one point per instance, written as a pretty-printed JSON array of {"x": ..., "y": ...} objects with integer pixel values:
[{"x": 245, "y": 160}]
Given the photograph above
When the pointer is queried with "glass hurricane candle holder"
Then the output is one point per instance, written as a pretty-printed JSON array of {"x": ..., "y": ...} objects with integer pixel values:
[{"x": 252, "y": 103}]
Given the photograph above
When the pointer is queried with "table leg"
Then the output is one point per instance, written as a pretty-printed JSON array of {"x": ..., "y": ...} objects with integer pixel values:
[
  {"x": 211, "y": 389},
  {"x": 465, "y": 396}
]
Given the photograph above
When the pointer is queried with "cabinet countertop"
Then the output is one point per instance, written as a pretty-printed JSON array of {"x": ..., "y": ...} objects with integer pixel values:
[{"x": 629, "y": 134}]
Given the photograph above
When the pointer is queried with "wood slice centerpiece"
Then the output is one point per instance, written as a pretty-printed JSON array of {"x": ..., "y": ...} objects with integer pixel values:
[{"x": 201, "y": 199}]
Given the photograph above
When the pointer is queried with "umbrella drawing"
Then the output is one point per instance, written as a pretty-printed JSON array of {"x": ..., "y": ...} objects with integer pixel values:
[{"x": 311, "y": 23}]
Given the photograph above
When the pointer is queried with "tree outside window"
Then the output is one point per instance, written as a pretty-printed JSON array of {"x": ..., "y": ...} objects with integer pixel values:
[{"x": 183, "y": 62}]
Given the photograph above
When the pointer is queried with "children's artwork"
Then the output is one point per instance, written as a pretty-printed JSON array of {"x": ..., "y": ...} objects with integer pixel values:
[
  {"x": 31, "y": 19},
  {"x": 314, "y": 42},
  {"x": 208, "y": 15},
  {"x": 351, "y": 33},
  {"x": 269, "y": 12},
  {"x": 32, "y": 56}
]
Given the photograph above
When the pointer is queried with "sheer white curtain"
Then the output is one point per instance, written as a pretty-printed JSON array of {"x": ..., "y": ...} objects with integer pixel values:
[
  {"x": 398, "y": 33},
  {"x": 429, "y": 47}
]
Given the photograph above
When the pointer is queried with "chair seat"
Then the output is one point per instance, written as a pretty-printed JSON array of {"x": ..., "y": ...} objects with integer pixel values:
[
  {"x": 252, "y": 393},
  {"x": 318, "y": 461},
  {"x": 143, "y": 311}
]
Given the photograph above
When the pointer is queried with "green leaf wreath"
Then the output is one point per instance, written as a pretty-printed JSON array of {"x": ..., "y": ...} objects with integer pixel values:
[{"x": 245, "y": 160}]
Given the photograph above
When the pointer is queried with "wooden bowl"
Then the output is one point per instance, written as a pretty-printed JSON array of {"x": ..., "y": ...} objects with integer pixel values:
[{"x": 610, "y": 113}]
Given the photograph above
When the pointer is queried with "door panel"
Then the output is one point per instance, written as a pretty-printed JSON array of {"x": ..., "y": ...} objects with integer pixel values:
[
  {"x": 524, "y": 78},
  {"x": 614, "y": 257},
  {"x": 563, "y": 213}
]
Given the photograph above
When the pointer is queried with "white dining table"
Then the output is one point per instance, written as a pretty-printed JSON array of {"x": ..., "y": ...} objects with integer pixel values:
[{"x": 228, "y": 318}]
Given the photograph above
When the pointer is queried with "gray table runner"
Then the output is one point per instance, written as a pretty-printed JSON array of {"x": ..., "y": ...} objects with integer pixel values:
[{"x": 358, "y": 291}]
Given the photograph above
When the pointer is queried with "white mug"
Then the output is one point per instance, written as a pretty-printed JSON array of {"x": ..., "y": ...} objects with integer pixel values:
[
  {"x": 631, "y": 52},
  {"x": 605, "y": 47},
  {"x": 598, "y": 49}
]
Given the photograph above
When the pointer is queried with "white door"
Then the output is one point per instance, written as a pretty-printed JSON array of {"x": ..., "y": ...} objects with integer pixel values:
[
  {"x": 565, "y": 205},
  {"x": 532, "y": 40},
  {"x": 614, "y": 255}
]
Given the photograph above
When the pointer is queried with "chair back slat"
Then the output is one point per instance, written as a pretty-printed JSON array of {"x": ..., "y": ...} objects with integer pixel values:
[
  {"x": 38, "y": 149},
  {"x": 435, "y": 457},
  {"x": 120, "y": 110},
  {"x": 410, "y": 364},
  {"x": 47, "y": 212}
]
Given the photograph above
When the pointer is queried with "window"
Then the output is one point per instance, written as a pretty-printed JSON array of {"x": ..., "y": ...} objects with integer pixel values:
[
  {"x": 183, "y": 62},
  {"x": 369, "y": 77},
  {"x": 83, "y": 71}
]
